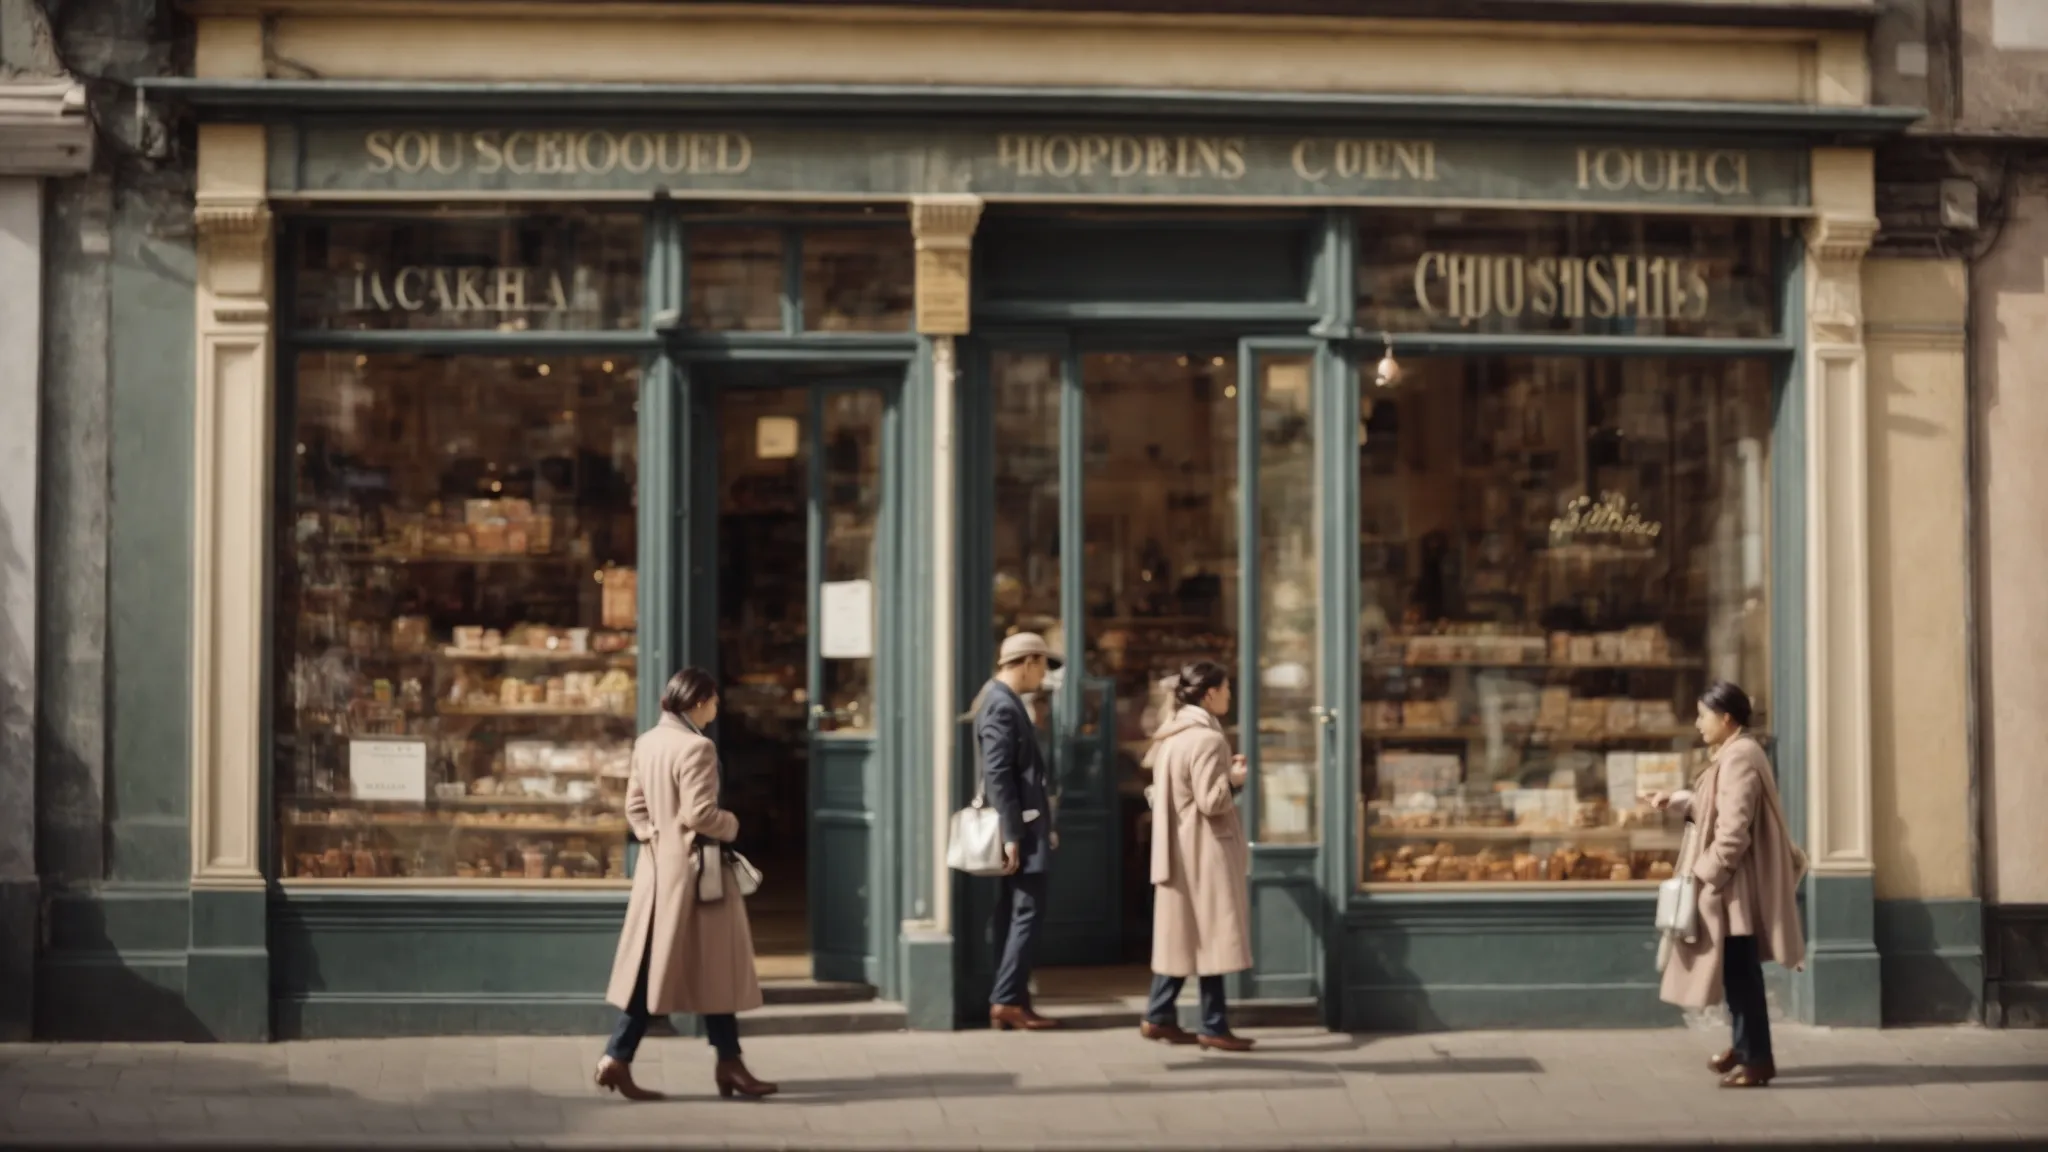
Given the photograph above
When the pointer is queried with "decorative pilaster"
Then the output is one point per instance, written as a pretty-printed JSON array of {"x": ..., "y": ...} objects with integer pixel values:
[
  {"x": 228, "y": 969},
  {"x": 944, "y": 228},
  {"x": 1842, "y": 978}
]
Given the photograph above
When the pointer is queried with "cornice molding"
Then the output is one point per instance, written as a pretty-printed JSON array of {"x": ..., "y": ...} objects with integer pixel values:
[{"x": 45, "y": 128}]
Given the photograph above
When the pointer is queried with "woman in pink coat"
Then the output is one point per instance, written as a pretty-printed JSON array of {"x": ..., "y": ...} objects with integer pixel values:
[
  {"x": 677, "y": 952},
  {"x": 1748, "y": 871},
  {"x": 1201, "y": 908}
]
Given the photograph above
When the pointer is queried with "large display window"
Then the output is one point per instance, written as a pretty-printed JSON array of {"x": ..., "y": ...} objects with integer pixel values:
[{"x": 1557, "y": 554}]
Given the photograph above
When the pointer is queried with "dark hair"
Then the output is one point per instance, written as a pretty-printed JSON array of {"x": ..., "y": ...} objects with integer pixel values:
[
  {"x": 1728, "y": 699},
  {"x": 687, "y": 689},
  {"x": 1195, "y": 681}
]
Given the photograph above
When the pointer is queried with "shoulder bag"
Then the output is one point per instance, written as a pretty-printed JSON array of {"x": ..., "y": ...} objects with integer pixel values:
[
  {"x": 1678, "y": 899},
  {"x": 974, "y": 843},
  {"x": 713, "y": 861}
]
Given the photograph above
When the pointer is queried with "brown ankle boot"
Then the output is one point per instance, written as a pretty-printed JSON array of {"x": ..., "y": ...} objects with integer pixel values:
[
  {"x": 1724, "y": 1063},
  {"x": 733, "y": 1078},
  {"x": 613, "y": 1076}
]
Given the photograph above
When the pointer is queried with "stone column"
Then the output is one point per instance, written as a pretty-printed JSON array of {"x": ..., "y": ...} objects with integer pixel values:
[
  {"x": 944, "y": 229},
  {"x": 21, "y": 335},
  {"x": 1842, "y": 970},
  {"x": 228, "y": 973}
]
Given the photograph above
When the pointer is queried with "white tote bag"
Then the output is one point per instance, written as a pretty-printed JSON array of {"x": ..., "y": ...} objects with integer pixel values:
[{"x": 974, "y": 844}]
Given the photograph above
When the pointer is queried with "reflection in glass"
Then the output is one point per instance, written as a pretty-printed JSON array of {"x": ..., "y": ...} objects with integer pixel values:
[
  {"x": 735, "y": 278},
  {"x": 853, "y": 500},
  {"x": 858, "y": 279},
  {"x": 1557, "y": 555},
  {"x": 1289, "y": 683},
  {"x": 456, "y": 618},
  {"x": 1025, "y": 391},
  {"x": 1160, "y": 531},
  {"x": 570, "y": 270}
]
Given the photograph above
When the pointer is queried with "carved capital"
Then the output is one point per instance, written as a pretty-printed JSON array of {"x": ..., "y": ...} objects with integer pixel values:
[
  {"x": 235, "y": 252},
  {"x": 1838, "y": 244},
  {"x": 228, "y": 217},
  {"x": 944, "y": 228},
  {"x": 1840, "y": 237}
]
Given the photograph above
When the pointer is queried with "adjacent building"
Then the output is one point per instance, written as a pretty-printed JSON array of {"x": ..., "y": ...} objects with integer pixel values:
[{"x": 1478, "y": 389}]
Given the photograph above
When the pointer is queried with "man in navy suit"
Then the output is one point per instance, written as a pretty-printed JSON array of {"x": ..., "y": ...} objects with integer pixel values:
[{"x": 1014, "y": 777}]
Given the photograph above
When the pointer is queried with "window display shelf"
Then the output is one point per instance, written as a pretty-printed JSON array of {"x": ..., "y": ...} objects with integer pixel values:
[
  {"x": 1543, "y": 665},
  {"x": 524, "y": 654},
  {"x": 539, "y": 710},
  {"x": 1647, "y": 839},
  {"x": 1531, "y": 735}
]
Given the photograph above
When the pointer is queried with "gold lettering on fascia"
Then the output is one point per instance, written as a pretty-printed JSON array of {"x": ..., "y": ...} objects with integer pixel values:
[
  {"x": 566, "y": 152},
  {"x": 1064, "y": 155},
  {"x": 459, "y": 291},
  {"x": 1478, "y": 285},
  {"x": 1365, "y": 161},
  {"x": 1664, "y": 171}
]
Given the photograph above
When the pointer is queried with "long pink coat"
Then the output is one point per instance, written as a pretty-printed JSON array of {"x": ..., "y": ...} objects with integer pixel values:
[
  {"x": 703, "y": 958},
  {"x": 1201, "y": 907},
  {"x": 1748, "y": 885}
]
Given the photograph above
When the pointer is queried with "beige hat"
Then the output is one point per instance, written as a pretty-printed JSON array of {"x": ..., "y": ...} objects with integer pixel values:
[{"x": 1022, "y": 646}]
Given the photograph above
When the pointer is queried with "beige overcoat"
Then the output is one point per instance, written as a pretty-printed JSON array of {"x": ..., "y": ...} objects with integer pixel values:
[
  {"x": 1748, "y": 881},
  {"x": 703, "y": 954},
  {"x": 1201, "y": 908}
]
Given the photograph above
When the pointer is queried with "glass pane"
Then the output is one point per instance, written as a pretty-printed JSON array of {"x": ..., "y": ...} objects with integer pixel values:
[
  {"x": 1558, "y": 273},
  {"x": 1025, "y": 390},
  {"x": 1557, "y": 556},
  {"x": 1290, "y": 683},
  {"x": 456, "y": 615},
  {"x": 858, "y": 279},
  {"x": 853, "y": 501},
  {"x": 735, "y": 279},
  {"x": 550, "y": 271},
  {"x": 1160, "y": 531}
]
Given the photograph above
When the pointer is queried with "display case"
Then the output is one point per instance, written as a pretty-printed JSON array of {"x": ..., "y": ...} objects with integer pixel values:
[
  {"x": 457, "y": 613},
  {"x": 1557, "y": 556}
]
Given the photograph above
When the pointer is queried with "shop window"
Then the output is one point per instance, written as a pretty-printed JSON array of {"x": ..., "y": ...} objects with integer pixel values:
[
  {"x": 569, "y": 270},
  {"x": 1558, "y": 273},
  {"x": 1557, "y": 555},
  {"x": 1289, "y": 688},
  {"x": 1024, "y": 388},
  {"x": 736, "y": 277},
  {"x": 858, "y": 279},
  {"x": 456, "y": 618}
]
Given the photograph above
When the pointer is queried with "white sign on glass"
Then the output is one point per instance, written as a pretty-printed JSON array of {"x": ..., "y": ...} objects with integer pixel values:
[
  {"x": 388, "y": 770},
  {"x": 846, "y": 610},
  {"x": 776, "y": 437}
]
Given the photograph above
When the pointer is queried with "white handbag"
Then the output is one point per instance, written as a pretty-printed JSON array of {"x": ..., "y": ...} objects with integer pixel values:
[
  {"x": 1678, "y": 899},
  {"x": 713, "y": 862},
  {"x": 974, "y": 844}
]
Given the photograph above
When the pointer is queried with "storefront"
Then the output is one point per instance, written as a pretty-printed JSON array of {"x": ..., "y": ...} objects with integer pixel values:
[{"x": 1477, "y": 443}]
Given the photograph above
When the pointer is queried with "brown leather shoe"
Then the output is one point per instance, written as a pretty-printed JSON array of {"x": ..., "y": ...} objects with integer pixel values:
[
  {"x": 1225, "y": 1042},
  {"x": 732, "y": 1077},
  {"x": 1750, "y": 1076},
  {"x": 1008, "y": 1017},
  {"x": 1165, "y": 1033},
  {"x": 1724, "y": 1063},
  {"x": 612, "y": 1076}
]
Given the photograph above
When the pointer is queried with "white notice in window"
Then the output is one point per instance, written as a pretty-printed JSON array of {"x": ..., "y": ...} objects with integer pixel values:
[
  {"x": 388, "y": 770},
  {"x": 846, "y": 610}
]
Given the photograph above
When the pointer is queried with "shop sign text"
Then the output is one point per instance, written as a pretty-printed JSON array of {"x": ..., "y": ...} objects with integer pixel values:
[
  {"x": 456, "y": 291},
  {"x": 1480, "y": 286}
]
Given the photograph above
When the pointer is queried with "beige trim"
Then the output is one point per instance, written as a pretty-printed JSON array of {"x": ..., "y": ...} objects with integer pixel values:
[
  {"x": 229, "y": 50},
  {"x": 1838, "y": 604},
  {"x": 880, "y": 46},
  {"x": 231, "y": 499},
  {"x": 45, "y": 128},
  {"x": 945, "y": 665}
]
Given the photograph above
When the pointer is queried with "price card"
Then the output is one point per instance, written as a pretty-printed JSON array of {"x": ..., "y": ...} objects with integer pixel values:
[{"x": 388, "y": 770}]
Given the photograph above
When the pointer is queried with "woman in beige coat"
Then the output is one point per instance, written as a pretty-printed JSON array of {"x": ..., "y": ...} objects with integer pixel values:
[
  {"x": 1201, "y": 910},
  {"x": 677, "y": 953},
  {"x": 1748, "y": 871}
]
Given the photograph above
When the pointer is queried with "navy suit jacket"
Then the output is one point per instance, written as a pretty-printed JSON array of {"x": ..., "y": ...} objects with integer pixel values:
[{"x": 1014, "y": 775}]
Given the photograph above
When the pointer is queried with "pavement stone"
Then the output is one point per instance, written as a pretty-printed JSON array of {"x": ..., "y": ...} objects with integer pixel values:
[{"x": 1301, "y": 1090}]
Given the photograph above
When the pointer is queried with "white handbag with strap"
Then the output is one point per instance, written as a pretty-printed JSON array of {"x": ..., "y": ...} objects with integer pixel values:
[
  {"x": 974, "y": 843},
  {"x": 1678, "y": 899}
]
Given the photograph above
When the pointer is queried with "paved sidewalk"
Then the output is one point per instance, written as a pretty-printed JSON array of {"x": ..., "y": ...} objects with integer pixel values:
[{"x": 1301, "y": 1089}]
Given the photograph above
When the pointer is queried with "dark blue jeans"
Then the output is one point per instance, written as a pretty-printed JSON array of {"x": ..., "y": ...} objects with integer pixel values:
[
  {"x": 1742, "y": 984},
  {"x": 721, "y": 1029},
  {"x": 1020, "y": 909},
  {"x": 1166, "y": 989}
]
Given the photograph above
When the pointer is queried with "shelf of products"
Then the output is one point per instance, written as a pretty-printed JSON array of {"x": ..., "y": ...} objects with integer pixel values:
[
  {"x": 1557, "y": 555},
  {"x": 458, "y": 649}
]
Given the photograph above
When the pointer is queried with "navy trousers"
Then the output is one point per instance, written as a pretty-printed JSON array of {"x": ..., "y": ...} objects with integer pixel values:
[
  {"x": 1166, "y": 990},
  {"x": 1020, "y": 911},
  {"x": 722, "y": 1029},
  {"x": 1742, "y": 984}
]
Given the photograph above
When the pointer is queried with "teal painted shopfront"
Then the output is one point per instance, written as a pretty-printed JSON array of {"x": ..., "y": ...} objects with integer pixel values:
[{"x": 1473, "y": 442}]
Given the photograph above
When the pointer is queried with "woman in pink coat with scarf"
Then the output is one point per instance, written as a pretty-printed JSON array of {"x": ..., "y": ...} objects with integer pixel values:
[{"x": 1748, "y": 870}]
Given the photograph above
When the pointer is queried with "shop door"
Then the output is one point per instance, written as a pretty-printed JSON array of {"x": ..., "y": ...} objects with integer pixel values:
[{"x": 802, "y": 559}]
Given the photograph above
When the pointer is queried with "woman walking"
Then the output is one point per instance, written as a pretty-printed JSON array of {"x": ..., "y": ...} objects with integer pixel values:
[
  {"x": 1748, "y": 869},
  {"x": 1201, "y": 908},
  {"x": 678, "y": 951}
]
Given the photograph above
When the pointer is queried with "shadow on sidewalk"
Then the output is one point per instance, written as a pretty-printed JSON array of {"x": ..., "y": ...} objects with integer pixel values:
[
  {"x": 1449, "y": 1065},
  {"x": 1908, "y": 1075}
]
